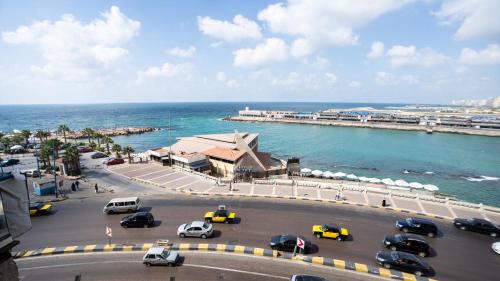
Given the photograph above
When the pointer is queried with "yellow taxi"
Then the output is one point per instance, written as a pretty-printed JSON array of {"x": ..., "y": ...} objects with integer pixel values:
[
  {"x": 330, "y": 231},
  {"x": 37, "y": 209},
  {"x": 221, "y": 215}
]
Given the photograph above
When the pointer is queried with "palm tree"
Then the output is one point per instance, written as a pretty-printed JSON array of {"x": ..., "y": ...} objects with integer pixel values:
[
  {"x": 128, "y": 149},
  {"x": 17, "y": 139},
  {"x": 42, "y": 135},
  {"x": 88, "y": 132},
  {"x": 54, "y": 144},
  {"x": 116, "y": 149},
  {"x": 63, "y": 129},
  {"x": 107, "y": 140},
  {"x": 72, "y": 160},
  {"x": 98, "y": 136},
  {"x": 26, "y": 135}
]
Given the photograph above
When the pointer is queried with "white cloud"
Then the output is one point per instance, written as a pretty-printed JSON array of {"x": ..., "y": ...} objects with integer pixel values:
[
  {"x": 409, "y": 55},
  {"x": 221, "y": 76},
  {"x": 384, "y": 78},
  {"x": 295, "y": 81},
  {"x": 241, "y": 28},
  {"x": 272, "y": 50},
  {"x": 477, "y": 18},
  {"x": 182, "y": 71},
  {"x": 377, "y": 50},
  {"x": 323, "y": 22},
  {"x": 489, "y": 55},
  {"x": 331, "y": 77},
  {"x": 355, "y": 84},
  {"x": 75, "y": 51},
  {"x": 182, "y": 53}
]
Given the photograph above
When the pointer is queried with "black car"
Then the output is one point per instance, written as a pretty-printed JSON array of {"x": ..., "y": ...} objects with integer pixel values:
[
  {"x": 9, "y": 162},
  {"x": 477, "y": 225},
  {"x": 407, "y": 243},
  {"x": 404, "y": 262},
  {"x": 418, "y": 226},
  {"x": 98, "y": 155},
  {"x": 302, "y": 277},
  {"x": 140, "y": 219},
  {"x": 288, "y": 242}
]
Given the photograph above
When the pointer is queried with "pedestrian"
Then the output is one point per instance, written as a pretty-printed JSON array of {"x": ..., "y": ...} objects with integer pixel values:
[
  {"x": 337, "y": 196},
  {"x": 230, "y": 186},
  {"x": 77, "y": 184},
  {"x": 96, "y": 188},
  {"x": 73, "y": 187}
]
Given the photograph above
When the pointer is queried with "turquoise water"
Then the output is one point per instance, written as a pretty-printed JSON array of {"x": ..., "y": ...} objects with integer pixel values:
[{"x": 455, "y": 163}]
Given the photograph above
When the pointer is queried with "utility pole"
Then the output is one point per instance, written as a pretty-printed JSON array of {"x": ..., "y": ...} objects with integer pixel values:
[
  {"x": 170, "y": 140},
  {"x": 54, "y": 168}
]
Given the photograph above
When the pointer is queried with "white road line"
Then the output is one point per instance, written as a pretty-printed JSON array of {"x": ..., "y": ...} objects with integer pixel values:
[
  {"x": 149, "y": 173},
  {"x": 137, "y": 169},
  {"x": 182, "y": 186},
  {"x": 393, "y": 204},
  {"x": 274, "y": 190},
  {"x": 367, "y": 201},
  {"x": 318, "y": 194},
  {"x": 167, "y": 182},
  {"x": 295, "y": 190},
  {"x": 163, "y": 176},
  {"x": 237, "y": 271},
  {"x": 252, "y": 189},
  {"x": 209, "y": 189},
  {"x": 422, "y": 209},
  {"x": 452, "y": 212}
]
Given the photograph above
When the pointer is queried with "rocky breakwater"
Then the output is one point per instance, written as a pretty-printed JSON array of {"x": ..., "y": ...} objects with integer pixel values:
[{"x": 114, "y": 132}]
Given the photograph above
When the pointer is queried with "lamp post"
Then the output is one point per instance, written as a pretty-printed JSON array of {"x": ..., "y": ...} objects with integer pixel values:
[{"x": 54, "y": 168}]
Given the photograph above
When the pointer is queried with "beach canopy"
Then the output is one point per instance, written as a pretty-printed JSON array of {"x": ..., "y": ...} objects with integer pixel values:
[
  {"x": 317, "y": 173},
  {"x": 339, "y": 175},
  {"x": 401, "y": 183},
  {"x": 328, "y": 174},
  {"x": 352, "y": 177},
  {"x": 388, "y": 181},
  {"x": 17, "y": 146},
  {"x": 431, "y": 187},
  {"x": 374, "y": 180},
  {"x": 305, "y": 170},
  {"x": 364, "y": 179},
  {"x": 16, "y": 131},
  {"x": 415, "y": 185}
]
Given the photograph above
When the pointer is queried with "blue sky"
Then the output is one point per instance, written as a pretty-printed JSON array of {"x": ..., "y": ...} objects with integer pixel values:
[{"x": 324, "y": 50}]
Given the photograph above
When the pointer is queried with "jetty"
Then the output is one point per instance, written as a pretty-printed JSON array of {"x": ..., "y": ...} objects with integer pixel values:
[
  {"x": 111, "y": 132},
  {"x": 458, "y": 121}
]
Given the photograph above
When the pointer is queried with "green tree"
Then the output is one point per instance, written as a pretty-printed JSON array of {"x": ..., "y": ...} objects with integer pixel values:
[
  {"x": 54, "y": 144},
  {"x": 88, "y": 132},
  {"x": 128, "y": 149},
  {"x": 17, "y": 139},
  {"x": 72, "y": 160},
  {"x": 98, "y": 136},
  {"x": 42, "y": 135},
  {"x": 117, "y": 149},
  {"x": 93, "y": 145},
  {"x": 26, "y": 135},
  {"x": 107, "y": 140},
  {"x": 63, "y": 129}
]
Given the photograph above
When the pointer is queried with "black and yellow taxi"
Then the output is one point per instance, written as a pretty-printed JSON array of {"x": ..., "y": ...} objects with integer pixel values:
[
  {"x": 38, "y": 209},
  {"x": 221, "y": 215},
  {"x": 330, "y": 230}
]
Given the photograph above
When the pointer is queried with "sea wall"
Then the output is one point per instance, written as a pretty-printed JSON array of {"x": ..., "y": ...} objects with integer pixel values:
[{"x": 372, "y": 125}]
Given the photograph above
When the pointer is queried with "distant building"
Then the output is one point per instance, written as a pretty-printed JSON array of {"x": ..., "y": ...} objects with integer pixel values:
[{"x": 227, "y": 155}]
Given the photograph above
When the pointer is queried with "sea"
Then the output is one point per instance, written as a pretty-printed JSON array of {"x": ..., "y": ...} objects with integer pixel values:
[{"x": 462, "y": 166}]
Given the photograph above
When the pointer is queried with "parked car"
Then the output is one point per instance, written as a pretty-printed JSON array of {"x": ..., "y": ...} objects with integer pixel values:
[
  {"x": 98, "y": 155},
  {"x": 404, "y": 262},
  {"x": 160, "y": 256},
  {"x": 31, "y": 173},
  {"x": 407, "y": 243},
  {"x": 84, "y": 149},
  {"x": 221, "y": 215},
  {"x": 287, "y": 242},
  {"x": 496, "y": 247},
  {"x": 195, "y": 229},
  {"x": 38, "y": 209},
  {"x": 114, "y": 161},
  {"x": 140, "y": 219},
  {"x": 477, "y": 225},
  {"x": 418, "y": 226},
  {"x": 330, "y": 231},
  {"x": 122, "y": 205},
  {"x": 306, "y": 278},
  {"x": 9, "y": 162}
]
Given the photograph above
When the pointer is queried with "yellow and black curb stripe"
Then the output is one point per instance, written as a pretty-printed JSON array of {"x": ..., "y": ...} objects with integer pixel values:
[{"x": 238, "y": 249}]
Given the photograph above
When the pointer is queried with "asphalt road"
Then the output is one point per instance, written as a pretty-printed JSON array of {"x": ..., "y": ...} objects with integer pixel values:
[
  {"x": 460, "y": 255},
  {"x": 195, "y": 266}
]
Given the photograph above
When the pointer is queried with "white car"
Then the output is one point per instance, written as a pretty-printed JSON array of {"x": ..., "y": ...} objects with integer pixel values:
[
  {"x": 496, "y": 247},
  {"x": 195, "y": 229},
  {"x": 160, "y": 256}
]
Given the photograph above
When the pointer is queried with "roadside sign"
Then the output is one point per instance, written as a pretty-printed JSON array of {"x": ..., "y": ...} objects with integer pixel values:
[
  {"x": 300, "y": 243},
  {"x": 109, "y": 232}
]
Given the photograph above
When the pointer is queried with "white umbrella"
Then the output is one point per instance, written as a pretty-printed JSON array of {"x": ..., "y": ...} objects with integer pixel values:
[
  {"x": 363, "y": 179},
  {"x": 317, "y": 173},
  {"x": 328, "y": 174},
  {"x": 431, "y": 187},
  {"x": 17, "y": 146},
  {"x": 388, "y": 181},
  {"x": 339, "y": 175},
  {"x": 351, "y": 177},
  {"x": 305, "y": 170},
  {"x": 415, "y": 185},
  {"x": 374, "y": 180},
  {"x": 401, "y": 183},
  {"x": 16, "y": 131}
]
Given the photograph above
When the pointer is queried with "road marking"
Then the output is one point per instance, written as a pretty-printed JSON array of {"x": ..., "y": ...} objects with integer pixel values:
[
  {"x": 140, "y": 177},
  {"x": 209, "y": 189},
  {"x": 182, "y": 186},
  {"x": 163, "y": 176},
  {"x": 135, "y": 170},
  {"x": 167, "y": 182},
  {"x": 252, "y": 189},
  {"x": 318, "y": 194},
  {"x": 237, "y": 271},
  {"x": 274, "y": 190}
]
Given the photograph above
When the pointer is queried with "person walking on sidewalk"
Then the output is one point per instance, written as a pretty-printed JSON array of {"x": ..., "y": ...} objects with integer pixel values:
[
  {"x": 73, "y": 187},
  {"x": 77, "y": 184},
  {"x": 96, "y": 188}
]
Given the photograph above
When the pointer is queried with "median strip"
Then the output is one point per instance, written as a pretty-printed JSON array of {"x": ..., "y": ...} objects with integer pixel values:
[{"x": 237, "y": 249}]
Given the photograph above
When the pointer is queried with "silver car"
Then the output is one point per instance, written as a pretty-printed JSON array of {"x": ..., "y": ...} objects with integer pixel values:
[
  {"x": 195, "y": 229},
  {"x": 160, "y": 256}
]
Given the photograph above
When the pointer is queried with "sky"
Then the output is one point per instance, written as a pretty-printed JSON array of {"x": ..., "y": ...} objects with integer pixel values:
[{"x": 368, "y": 51}]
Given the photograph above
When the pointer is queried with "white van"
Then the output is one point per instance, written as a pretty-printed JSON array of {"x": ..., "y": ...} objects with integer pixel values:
[{"x": 123, "y": 205}]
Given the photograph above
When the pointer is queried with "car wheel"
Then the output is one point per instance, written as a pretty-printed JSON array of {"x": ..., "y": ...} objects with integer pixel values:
[
  {"x": 147, "y": 264},
  {"x": 145, "y": 225},
  {"x": 204, "y": 236},
  {"x": 418, "y": 273},
  {"x": 430, "y": 234},
  {"x": 422, "y": 254},
  {"x": 110, "y": 212},
  {"x": 318, "y": 235},
  {"x": 339, "y": 238},
  {"x": 125, "y": 226},
  {"x": 182, "y": 235},
  {"x": 494, "y": 234},
  {"x": 393, "y": 248},
  {"x": 405, "y": 230},
  {"x": 130, "y": 210},
  {"x": 462, "y": 227},
  {"x": 386, "y": 265}
]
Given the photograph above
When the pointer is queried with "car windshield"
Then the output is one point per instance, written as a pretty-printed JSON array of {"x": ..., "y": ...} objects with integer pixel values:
[
  {"x": 395, "y": 256},
  {"x": 398, "y": 237},
  {"x": 409, "y": 221},
  {"x": 205, "y": 225}
]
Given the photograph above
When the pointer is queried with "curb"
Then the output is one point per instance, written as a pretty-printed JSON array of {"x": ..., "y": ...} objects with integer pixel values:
[{"x": 237, "y": 249}]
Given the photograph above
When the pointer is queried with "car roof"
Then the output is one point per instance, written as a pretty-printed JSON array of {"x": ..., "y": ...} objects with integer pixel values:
[
  {"x": 420, "y": 220},
  {"x": 481, "y": 220},
  {"x": 412, "y": 237},
  {"x": 197, "y": 224},
  {"x": 155, "y": 250},
  {"x": 123, "y": 199},
  {"x": 332, "y": 225}
]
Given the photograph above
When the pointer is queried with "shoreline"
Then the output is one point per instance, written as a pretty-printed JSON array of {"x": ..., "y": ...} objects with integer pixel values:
[{"x": 438, "y": 129}]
